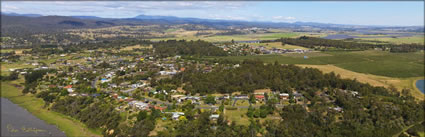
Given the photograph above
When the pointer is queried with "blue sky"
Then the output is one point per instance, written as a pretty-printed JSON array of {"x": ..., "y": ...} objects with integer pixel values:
[{"x": 359, "y": 13}]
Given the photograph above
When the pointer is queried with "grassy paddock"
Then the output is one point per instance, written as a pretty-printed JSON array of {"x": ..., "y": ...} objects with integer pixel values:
[
  {"x": 397, "y": 65},
  {"x": 70, "y": 126},
  {"x": 271, "y": 45},
  {"x": 244, "y": 37},
  {"x": 399, "y": 40},
  {"x": 134, "y": 47},
  {"x": 17, "y": 51},
  {"x": 399, "y": 83}
]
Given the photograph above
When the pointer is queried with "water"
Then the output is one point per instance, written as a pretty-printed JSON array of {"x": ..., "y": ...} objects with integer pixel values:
[
  {"x": 420, "y": 84},
  {"x": 16, "y": 121}
]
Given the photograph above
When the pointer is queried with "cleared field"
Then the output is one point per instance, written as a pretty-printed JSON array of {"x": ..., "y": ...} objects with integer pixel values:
[
  {"x": 6, "y": 66},
  {"x": 399, "y": 83},
  {"x": 70, "y": 126},
  {"x": 399, "y": 40},
  {"x": 279, "y": 35},
  {"x": 135, "y": 47},
  {"x": 271, "y": 45},
  {"x": 398, "y": 65},
  {"x": 17, "y": 51},
  {"x": 239, "y": 116},
  {"x": 227, "y": 38}
]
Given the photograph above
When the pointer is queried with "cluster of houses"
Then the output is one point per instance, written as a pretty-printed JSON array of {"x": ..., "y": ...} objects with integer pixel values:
[
  {"x": 182, "y": 98},
  {"x": 253, "y": 50}
]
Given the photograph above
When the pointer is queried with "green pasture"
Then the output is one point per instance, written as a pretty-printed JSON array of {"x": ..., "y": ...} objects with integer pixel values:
[{"x": 401, "y": 65}]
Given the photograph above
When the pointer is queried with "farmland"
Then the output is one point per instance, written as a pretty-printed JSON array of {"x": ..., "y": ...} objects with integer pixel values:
[
  {"x": 400, "y": 65},
  {"x": 242, "y": 37},
  {"x": 271, "y": 45},
  {"x": 399, "y": 83},
  {"x": 399, "y": 40}
]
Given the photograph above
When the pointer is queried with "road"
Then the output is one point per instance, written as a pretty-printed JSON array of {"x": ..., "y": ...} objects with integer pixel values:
[{"x": 93, "y": 84}]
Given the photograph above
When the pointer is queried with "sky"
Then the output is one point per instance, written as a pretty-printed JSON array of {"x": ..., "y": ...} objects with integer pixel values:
[{"x": 388, "y": 13}]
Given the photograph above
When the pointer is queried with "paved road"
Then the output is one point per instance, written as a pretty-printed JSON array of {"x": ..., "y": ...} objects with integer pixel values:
[
  {"x": 168, "y": 103},
  {"x": 93, "y": 83}
]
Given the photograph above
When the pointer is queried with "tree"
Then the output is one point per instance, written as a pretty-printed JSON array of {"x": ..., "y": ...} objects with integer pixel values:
[
  {"x": 142, "y": 115},
  {"x": 250, "y": 112},
  {"x": 252, "y": 99},
  {"x": 142, "y": 128},
  {"x": 210, "y": 100}
]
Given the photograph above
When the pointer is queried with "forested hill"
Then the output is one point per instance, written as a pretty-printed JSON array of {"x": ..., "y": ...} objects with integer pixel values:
[
  {"x": 325, "y": 44},
  {"x": 189, "y": 48},
  {"x": 21, "y": 24},
  {"x": 373, "y": 112}
]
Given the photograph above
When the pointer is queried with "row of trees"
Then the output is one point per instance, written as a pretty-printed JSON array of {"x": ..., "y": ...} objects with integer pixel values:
[{"x": 312, "y": 42}]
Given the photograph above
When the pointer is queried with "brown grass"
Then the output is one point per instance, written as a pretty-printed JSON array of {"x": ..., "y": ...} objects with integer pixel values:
[{"x": 399, "y": 83}]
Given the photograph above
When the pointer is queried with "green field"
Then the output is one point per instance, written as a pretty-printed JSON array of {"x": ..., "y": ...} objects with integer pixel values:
[
  {"x": 227, "y": 38},
  {"x": 401, "y": 65},
  {"x": 34, "y": 105},
  {"x": 271, "y": 45},
  {"x": 399, "y": 40}
]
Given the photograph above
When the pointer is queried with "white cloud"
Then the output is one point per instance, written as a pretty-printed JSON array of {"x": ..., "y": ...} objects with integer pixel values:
[
  {"x": 283, "y": 19},
  {"x": 8, "y": 8}
]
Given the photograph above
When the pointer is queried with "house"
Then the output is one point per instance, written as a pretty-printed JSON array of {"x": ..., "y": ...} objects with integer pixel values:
[
  {"x": 214, "y": 116},
  {"x": 241, "y": 97},
  {"x": 284, "y": 96},
  {"x": 69, "y": 88},
  {"x": 139, "y": 105},
  {"x": 176, "y": 115},
  {"x": 95, "y": 95},
  {"x": 161, "y": 108},
  {"x": 338, "y": 109},
  {"x": 260, "y": 97},
  {"x": 73, "y": 94},
  {"x": 103, "y": 80}
]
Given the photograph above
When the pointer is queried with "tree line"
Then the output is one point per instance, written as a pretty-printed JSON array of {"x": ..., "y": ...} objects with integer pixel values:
[{"x": 326, "y": 44}]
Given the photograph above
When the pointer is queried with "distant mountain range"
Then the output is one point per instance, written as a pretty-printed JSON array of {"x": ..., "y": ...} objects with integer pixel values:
[{"x": 35, "y": 23}]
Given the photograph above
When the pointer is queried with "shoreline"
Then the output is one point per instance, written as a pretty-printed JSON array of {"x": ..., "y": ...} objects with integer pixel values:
[
  {"x": 416, "y": 87},
  {"x": 66, "y": 124},
  {"x": 14, "y": 114}
]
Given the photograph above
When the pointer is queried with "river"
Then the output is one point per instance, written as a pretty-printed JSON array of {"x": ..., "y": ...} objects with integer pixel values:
[
  {"x": 420, "y": 84},
  {"x": 16, "y": 121}
]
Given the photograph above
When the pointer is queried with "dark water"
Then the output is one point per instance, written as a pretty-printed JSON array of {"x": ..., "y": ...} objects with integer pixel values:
[
  {"x": 420, "y": 84},
  {"x": 16, "y": 121}
]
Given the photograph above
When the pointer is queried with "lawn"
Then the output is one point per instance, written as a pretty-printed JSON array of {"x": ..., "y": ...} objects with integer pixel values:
[
  {"x": 70, "y": 126},
  {"x": 396, "y": 65},
  {"x": 239, "y": 116}
]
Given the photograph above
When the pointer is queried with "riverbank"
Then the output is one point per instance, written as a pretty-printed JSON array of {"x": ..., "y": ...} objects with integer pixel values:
[
  {"x": 16, "y": 121},
  {"x": 71, "y": 127},
  {"x": 420, "y": 85}
]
